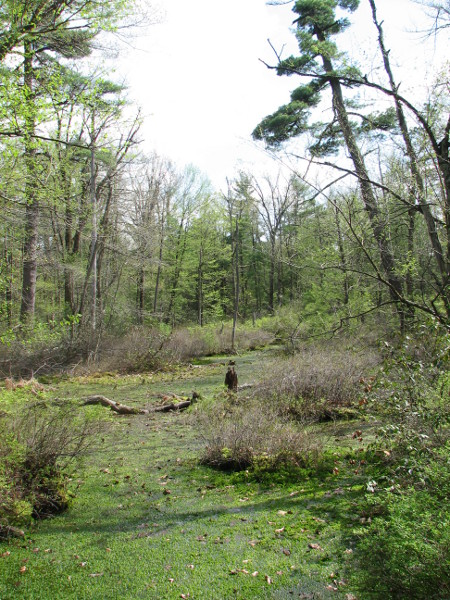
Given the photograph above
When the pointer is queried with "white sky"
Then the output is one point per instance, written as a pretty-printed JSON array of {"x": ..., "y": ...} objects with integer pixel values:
[{"x": 202, "y": 88}]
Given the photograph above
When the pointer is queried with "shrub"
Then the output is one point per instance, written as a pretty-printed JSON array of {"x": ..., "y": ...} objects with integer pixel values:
[
  {"x": 317, "y": 383},
  {"x": 37, "y": 444},
  {"x": 237, "y": 437}
]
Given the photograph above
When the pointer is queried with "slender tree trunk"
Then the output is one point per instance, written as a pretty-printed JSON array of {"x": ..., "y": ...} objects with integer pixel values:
[
  {"x": 140, "y": 296},
  {"x": 9, "y": 282},
  {"x": 158, "y": 270},
  {"x": 200, "y": 287},
  {"x": 342, "y": 256},
  {"x": 236, "y": 284},
  {"x": 30, "y": 246}
]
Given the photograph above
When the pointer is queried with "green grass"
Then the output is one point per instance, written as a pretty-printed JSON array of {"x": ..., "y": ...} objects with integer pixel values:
[{"x": 214, "y": 536}]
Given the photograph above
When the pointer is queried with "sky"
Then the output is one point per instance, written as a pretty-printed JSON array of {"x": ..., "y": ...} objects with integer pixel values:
[{"x": 199, "y": 79}]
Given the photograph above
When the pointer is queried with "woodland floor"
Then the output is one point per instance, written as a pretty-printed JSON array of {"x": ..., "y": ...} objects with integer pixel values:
[{"x": 148, "y": 522}]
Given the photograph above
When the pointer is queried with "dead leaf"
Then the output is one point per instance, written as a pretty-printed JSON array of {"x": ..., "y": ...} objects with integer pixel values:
[
  {"x": 83, "y": 564},
  {"x": 279, "y": 572},
  {"x": 282, "y": 512},
  {"x": 22, "y": 569},
  {"x": 171, "y": 579},
  {"x": 253, "y": 543},
  {"x": 268, "y": 579},
  {"x": 190, "y": 566},
  {"x": 255, "y": 573},
  {"x": 95, "y": 574},
  {"x": 315, "y": 546},
  {"x": 280, "y": 530},
  {"x": 184, "y": 596},
  {"x": 233, "y": 572},
  {"x": 286, "y": 552},
  {"x": 7, "y": 553}
]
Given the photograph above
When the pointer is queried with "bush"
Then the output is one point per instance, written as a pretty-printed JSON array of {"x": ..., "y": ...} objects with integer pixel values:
[
  {"x": 37, "y": 444},
  {"x": 316, "y": 384},
  {"x": 404, "y": 552},
  {"x": 237, "y": 437}
]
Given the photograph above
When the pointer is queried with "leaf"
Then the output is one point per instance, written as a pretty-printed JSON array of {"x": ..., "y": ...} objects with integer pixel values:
[
  {"x": 268, "y": 579},
  {"x": 95, "y": 574},
  {"x": 315, "y": 546},
  {"x": 255, "y": 573},
  {"x": 280, "y": 530},
  {"x": 286, "y": 552},
  {"x": 22, "y": 569},
  {"x": 282, "y": 512}
]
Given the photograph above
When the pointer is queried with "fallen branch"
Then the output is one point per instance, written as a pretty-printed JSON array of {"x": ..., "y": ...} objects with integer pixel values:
[
  {"x": 121, "y": 409},
  {"x": 7, "y": 531},
  {"x": 180, "y": 405},
  {"x": 172, "y": 406}
]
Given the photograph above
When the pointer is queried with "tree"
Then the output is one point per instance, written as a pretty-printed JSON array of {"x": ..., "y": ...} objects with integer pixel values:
[{"x": 321, "y": 64}]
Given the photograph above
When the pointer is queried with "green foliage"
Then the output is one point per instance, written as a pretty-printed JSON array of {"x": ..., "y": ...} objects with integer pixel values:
[{"x": 403, "y": 554}]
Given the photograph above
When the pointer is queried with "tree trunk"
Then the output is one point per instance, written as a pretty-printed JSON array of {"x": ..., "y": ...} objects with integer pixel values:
[
  {"x": 29, "y": 276},
  {"x": 140, "y": 296}
]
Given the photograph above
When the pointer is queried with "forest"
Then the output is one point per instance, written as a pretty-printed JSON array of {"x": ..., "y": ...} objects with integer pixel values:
[{"x": 324, "y": 282}]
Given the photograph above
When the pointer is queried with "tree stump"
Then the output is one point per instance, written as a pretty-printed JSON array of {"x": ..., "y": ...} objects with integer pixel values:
[{"x": 231, "y": 378}]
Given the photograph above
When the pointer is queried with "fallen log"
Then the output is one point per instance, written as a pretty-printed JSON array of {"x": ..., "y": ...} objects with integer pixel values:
[
  {"x": 121, "y": 409},
  {"x": 172, "y": 406}
]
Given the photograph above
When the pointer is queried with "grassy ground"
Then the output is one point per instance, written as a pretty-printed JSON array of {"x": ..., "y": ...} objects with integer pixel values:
[{"x": 149, "y": 522}]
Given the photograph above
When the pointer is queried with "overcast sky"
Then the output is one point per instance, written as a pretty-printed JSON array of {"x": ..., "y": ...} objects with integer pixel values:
[{"x": 202, "y": 87}]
